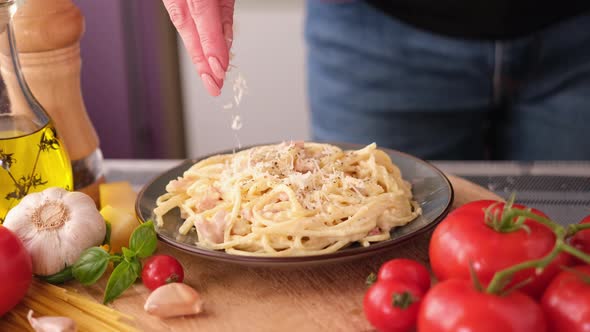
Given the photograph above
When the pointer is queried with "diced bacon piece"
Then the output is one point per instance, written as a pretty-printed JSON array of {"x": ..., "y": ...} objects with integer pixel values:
[
  {"x": 271, "y": 208},
  {"x": 212, "y": 230},
  {"x": 209, "y": 201},
  {"x": 247, "y": 214},
  {"x": 298, "y": 144},
  {"x": 304, "y": 165},
  {"x": 283, "y": 196},
  {"x": 375, "y": 231}
]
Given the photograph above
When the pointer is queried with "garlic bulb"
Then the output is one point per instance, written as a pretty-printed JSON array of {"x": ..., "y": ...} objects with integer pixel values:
[{"x": 55, "y": 226}]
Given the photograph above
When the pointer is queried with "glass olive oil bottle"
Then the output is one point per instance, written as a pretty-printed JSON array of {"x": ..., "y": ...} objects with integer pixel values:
[{"x": 32, "y": 158}]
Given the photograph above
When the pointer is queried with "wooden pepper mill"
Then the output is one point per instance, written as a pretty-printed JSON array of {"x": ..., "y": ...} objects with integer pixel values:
[{"x": 48, "y": 37}]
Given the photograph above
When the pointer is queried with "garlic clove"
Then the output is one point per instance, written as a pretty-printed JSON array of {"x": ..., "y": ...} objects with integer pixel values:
[
  {"x": 51, "y": 323},
  {"x": 175, "y": 299}
]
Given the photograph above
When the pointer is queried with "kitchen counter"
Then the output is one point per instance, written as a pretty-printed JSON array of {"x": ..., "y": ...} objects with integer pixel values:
[{"x": 330, "y": 297}]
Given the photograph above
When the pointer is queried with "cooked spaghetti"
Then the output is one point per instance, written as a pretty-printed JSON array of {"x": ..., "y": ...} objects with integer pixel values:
[{"x": 290, "y": 199}]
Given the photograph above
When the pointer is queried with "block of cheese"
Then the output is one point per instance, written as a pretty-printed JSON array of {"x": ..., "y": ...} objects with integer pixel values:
[
  {"x": 119, "y": 195},
  {"x": 122, "y": 223}
]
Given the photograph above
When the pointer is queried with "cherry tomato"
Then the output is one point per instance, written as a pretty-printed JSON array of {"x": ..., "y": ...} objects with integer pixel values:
[
  {"x": 392, "y": 306},
  {"x": 16, "y": 270},
  {"x": 407, "y": 271},
  {"x": 566, "y": 301},
  {"x": 160, "y": 270},
  {"x": 581, "y": 239},
  {"x": 455, "y": 305},
  {"x": 463, "y": 239}
]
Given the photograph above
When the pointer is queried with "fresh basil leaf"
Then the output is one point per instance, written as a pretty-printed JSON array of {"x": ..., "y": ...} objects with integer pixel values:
[
  {"x": 107, "y": 236},
  {"x": 59, "y": 277},
  {"x": 128, "y": 254},
  {"x": 143, "y": 240},
  {"x": 123, "y": 276},
  {"x": 136, "y": 266},
  {"x": 116, "y": 258},
  {"x": 91, "y": 265}
]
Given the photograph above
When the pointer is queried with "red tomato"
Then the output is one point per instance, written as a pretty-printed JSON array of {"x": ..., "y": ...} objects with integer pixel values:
[
  {"x": 463, "y": 239},
  {"x": 566, "y": 301},
  {"x": 392, "y": 306},
  {"x": 455, "y": 305},
  {"x": 407, "y": 271},
  {"x": 581, "y": 239},
  {"x": 160, "y": 270},
  {"x": 16, "y": 270}
]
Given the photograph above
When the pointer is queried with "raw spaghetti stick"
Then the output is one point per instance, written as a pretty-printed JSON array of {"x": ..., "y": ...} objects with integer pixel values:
[{"x": 50, "y": 300}]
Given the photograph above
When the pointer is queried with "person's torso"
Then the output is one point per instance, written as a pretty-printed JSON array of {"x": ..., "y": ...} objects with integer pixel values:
[{"x": 482, "y": 19}]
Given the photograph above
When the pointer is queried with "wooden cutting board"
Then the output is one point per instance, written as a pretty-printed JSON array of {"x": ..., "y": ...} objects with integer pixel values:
[{"x": 325, "y": 298}]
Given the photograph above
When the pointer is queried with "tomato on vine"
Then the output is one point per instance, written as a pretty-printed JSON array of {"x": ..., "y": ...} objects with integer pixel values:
[
  {"x": 489, "y": 257},
  {"x": 566, "y": 301},
  {"x": 581, "y": 240},
  {"x": 484, "y": 236},
  {"x": 457, "y": 305}
]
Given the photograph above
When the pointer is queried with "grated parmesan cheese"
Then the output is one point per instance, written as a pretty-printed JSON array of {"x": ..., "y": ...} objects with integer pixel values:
[
  {"x": 239, "y": 89},
  {"x": 281, "y": 164},
  {"x": 236, "y": 123}
]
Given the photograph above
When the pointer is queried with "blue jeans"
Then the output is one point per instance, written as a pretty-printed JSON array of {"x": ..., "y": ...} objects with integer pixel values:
[{"x": 372, "y": 78}]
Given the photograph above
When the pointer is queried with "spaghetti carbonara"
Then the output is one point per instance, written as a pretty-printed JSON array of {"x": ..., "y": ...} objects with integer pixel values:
[{"x": 290, "y": 199}]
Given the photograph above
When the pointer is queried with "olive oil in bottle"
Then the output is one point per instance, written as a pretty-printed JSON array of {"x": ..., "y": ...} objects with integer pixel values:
[
  {"x": 32, "y": 158},
  {"x": 30, "y": 161}
]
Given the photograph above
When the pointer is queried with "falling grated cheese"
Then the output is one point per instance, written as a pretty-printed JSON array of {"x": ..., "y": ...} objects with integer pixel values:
[
  {"x": 236, "y": 123},
  {"x": 239, "y": 89}
]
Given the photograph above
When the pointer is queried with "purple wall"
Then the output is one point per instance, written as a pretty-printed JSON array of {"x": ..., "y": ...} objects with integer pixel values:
[
  {"x": 105, "y": 85},
  {"x": 121, "y": 76},
  {"x": 145, "y": 66}
]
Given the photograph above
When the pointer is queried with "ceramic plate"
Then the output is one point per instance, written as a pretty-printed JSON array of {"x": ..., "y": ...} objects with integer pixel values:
[{"x": 431, "y": 189}]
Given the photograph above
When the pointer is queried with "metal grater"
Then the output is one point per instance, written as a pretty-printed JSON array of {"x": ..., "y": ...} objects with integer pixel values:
[
  {"x": 564, "y": 199},
  {"x": 560, "y": 189}
]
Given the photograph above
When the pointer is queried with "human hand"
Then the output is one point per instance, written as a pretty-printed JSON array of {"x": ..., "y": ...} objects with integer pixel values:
[{"x": 205, "y": 27}]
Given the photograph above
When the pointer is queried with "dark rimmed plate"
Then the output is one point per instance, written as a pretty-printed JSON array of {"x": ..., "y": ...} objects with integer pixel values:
[{"x": 431, "y": 189}]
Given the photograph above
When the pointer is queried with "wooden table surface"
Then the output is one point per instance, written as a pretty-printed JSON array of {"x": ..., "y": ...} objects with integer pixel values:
[{"x": 237, "y": 298}]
